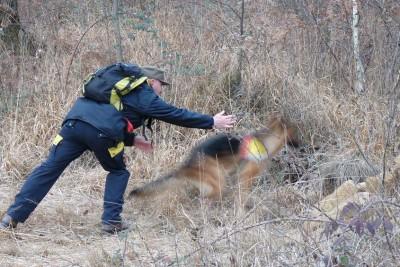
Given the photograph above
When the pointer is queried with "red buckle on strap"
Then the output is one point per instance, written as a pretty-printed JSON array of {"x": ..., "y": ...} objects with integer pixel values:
[{"x": 129, "y": 126}]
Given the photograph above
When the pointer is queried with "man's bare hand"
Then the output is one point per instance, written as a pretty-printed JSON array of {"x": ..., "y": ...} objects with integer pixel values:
[
  {"x": 222, "y": 121},
  {"x": 142, "y": 144}
]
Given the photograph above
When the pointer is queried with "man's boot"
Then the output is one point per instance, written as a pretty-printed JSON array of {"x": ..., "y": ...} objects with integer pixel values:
[{"x": 116, "y": 227}]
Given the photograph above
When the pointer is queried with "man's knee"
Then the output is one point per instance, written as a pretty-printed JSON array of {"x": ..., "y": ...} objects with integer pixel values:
[{"x": 122, "y": 173}]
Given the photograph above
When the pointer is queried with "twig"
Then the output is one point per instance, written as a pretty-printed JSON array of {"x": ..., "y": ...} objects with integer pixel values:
[
  {"x": 393, "y": 101},
  {"x": 188, "y": 218},
  {"x": 124, "y": 250},
  {"x": 76, "y": 48},
  {"x": 335, "y": 57},
  {"x": 245, "y": 228},
  {"x": 361, "y": 151},
  {"x": 81, "y": 38},
  {"x": 145, "y": 244},
  {"x": 176, "y": 248}
]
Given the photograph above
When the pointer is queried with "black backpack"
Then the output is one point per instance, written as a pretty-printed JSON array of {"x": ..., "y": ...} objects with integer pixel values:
[{"x": 111, "y": 83}]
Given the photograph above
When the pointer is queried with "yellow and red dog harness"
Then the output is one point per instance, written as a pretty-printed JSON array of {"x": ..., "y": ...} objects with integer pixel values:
[{"x": 252, "y": 148}]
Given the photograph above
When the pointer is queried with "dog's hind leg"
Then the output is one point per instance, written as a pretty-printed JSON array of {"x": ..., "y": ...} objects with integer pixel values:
[
  {"x": 210, "y": 184},
  {"x": 208, "y": 177}
]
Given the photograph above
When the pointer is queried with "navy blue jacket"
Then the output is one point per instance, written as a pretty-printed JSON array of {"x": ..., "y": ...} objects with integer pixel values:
[{"x": 139, "y": 105}]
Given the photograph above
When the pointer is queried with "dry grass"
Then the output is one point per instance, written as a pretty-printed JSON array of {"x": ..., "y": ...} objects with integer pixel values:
[{"x": 288, "y": 69}]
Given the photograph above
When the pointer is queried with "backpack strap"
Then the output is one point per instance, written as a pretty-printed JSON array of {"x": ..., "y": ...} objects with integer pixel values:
[
  {"x": 148, "y": 126},
  {"x": 123, "y": 87},
  {"x": 127, "y": 84}
]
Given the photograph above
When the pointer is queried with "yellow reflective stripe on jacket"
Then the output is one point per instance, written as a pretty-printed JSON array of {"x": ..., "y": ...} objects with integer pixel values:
[
  {"x": 116, "y": 149},
  {"x": 57, "y": 140}
]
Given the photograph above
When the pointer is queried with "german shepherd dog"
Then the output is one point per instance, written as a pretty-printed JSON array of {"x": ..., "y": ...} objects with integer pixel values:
[{"x": 210, "y": 162}]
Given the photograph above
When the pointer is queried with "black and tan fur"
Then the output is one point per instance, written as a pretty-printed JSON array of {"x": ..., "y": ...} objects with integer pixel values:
[{"x": 210, "y": 162}]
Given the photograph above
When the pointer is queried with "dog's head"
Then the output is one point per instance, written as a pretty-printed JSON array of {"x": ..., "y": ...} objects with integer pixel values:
[
  {"x": 279, "y": 132},
  {"x": 289, "y": 129}
]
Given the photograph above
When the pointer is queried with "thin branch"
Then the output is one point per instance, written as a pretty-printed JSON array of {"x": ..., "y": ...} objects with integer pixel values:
[
  {"x": 230, "y": 7},
  {"x": 225, "y": 235},
  {"x": 327, "y": 45},
  {"x": 145, "y": 244},
  {"x": 383, "y": 11},
  {"x": 81, "y": 38},
  {"x": 76, "y": 48},
  {"x": 391, "y": 119}
]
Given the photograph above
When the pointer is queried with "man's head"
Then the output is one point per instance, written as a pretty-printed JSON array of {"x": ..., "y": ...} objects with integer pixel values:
[{"x": 156, "y": 77}]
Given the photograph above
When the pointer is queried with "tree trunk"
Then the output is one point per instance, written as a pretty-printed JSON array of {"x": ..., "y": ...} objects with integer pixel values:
[
  {"x": 359, "y": 84},
  {"x": 106, "y": 22},
  {"x": 236, "y": 85},
  {"x": 117, "y": 30},
  {"x": 12, "y": 35}
]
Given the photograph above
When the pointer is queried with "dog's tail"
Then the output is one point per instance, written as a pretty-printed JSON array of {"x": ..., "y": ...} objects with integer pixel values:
[{"x": 155, "y": 187}]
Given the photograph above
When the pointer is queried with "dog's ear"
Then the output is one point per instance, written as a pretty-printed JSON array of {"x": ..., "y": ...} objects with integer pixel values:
[{"x": 292, "y": 136}]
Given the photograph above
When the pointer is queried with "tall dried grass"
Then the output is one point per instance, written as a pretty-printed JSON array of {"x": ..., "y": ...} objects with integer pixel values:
[{"x": 298, "y": 62}]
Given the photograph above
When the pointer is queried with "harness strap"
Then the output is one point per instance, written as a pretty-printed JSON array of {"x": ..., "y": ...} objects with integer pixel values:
[{"x": 252, "y": 148}]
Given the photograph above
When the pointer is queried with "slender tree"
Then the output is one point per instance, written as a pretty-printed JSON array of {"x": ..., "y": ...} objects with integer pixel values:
[
  {"x": 236, "y": 83},
  {"x": 117, "y": 31},
  {"x": 359, "y": 84}
]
